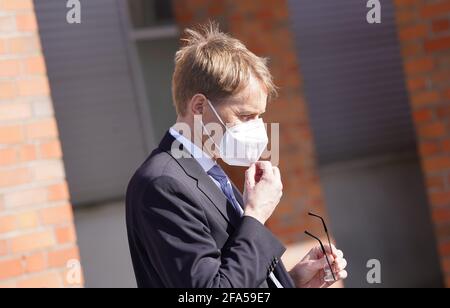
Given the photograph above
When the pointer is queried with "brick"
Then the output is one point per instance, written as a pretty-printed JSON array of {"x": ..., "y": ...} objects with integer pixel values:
[
  {"x": 412, "y": 49},
  {"x": 26, "y": 197},
  {"x": 9, "y": 112},
  {"x": 8, "y": 157},
  {"x": 413, "y": 32},
  {"x": 35, "y": 65},
  {"x": 443, "y": 231},
  {"x": 443, "y": 112},
  {"x": 15, "y": 177},
  {"x": 16, "y": 5},
  {"x": 441, "y": 25},
  {"x": 26, "y": 22},
  {"x": 446, "y": 145},
  {"x": 24, "y": 45},
  {"x": 9, "y": 68},
  {"x": 444, "y": 249},
  {"x": 2, "y": 47},
  {"x": 27, "y": 152},
  {"x": 49, "y": 171},
  {"x": 3, "y": 248},
  {"x": 441, "y": 215},
  {"x": 8, "y": 285},
  {"x": 56, "y": 215},
  {"x": 59, "y": 258},
  {"x": 418, "y": 83},
  {"x": 43, "y": 108},
  {"x": 435, "y": 9},
  {"x": 27, "y": 220},
  {"x": 35, "y": 86},
  {"x": 35, "y": 262},
  {"x": 33, "y": 241},
  {"x": 446, "y": 94},
  {"x": 51, "y": 149},
  {"x": 432, "y": 130},
  {"x": 441, "y": 199},
  {"x": 446, "y": 265},
  {"x": 405, "y": 3},
  {"x": 436, "y": 163},
  {"x": 435, "y": 182},
  {"x": 425, "y": 98},
  {"x": 7, "y": 224},
  {"x": 438, "y": 44},
  {"x": 7, "y": 90},
  {"x": 429, "y": 148},
  {"x": 10, "y": 268},
  {"x": 421, "y": 65},
  {"x": 406, "y": 16},
  {"x": 422, "y": 116},
  {"x": 7, "y": 24},
  {"x": 42, "y": 129},
  {"x": 58, "y": 192},
  {"x": 44, "y": 280},
  {"x": 65, "y": 235}
]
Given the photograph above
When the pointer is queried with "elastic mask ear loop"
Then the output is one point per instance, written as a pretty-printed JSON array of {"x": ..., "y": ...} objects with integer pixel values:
[
  {"x": 207, "y": 131},
  {"x": 215, "y": 112}
]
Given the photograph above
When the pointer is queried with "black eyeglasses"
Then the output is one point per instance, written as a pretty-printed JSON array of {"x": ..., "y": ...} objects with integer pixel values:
[{"x": 320, "y": 242}]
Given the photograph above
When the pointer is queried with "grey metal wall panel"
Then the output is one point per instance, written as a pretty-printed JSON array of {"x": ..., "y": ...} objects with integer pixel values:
[
  {"x": 94, "y": 97},
  {"x": 354, "y": 81}
]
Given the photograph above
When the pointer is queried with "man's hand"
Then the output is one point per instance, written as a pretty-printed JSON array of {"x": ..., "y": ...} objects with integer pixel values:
[
  {"x": 263, "y": 190},
  {"x": 309, "y": 273}
]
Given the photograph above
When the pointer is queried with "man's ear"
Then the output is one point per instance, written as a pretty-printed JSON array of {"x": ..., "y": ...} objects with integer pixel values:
[{"x": 197, "y": 104}]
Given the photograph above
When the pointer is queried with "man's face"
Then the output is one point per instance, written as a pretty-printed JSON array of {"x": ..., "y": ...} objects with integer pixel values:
[{"x": 249, "y": 105}]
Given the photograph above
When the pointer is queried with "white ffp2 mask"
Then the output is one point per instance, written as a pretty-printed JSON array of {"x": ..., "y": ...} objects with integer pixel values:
[{"x": 242, "y": 144}]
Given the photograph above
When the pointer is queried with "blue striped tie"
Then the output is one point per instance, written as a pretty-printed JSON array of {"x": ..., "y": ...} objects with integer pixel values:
[{"x": 219, "y": 175}]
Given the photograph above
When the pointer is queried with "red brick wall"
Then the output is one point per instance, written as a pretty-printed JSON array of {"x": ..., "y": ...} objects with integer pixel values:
[
  {"x": 264, "y": 27},
  {"x": 424, "y": 32},
  {"x": 37, "y": 235}
]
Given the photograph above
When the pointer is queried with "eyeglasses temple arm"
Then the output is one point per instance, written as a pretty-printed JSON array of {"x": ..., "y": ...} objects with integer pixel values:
[
  {"x": 324, "y": 252},
  {"x": 325, "y": 227}
]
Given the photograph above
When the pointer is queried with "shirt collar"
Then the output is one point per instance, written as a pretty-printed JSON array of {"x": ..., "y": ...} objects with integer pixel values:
[{"x": 205, "y": 161}]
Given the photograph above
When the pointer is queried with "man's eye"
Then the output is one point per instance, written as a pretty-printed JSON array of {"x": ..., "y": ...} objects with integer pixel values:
[{"x": 248, "y": 117}]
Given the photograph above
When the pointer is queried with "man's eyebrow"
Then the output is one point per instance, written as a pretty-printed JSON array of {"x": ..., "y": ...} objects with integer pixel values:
[{"x": 251, "y": 112}]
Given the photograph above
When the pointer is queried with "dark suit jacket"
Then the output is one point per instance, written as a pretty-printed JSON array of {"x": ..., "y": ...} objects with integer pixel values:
[{"x": 183, "y": 232}]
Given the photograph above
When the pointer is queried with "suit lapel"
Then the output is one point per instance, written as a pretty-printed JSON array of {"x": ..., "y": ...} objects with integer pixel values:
[{"x": 204, "y": 182}]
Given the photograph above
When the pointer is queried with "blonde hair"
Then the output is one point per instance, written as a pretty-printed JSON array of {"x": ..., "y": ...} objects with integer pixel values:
[{"x": 216, "y": 65}]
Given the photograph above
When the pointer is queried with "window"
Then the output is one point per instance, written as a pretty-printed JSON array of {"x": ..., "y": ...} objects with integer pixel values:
[{"x": 150, "y": 13}]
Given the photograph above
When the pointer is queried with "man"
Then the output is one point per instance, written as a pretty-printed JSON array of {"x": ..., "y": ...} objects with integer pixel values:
[{"x": 188, "y": 225}]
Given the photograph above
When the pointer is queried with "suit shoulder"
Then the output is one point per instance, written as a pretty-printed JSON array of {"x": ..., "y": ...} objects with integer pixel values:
[{"x": 159, "y": 168}]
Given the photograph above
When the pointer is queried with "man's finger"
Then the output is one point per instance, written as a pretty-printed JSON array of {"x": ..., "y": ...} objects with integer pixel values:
[
  {"x": 250, "y": 175},
  {"x": 340, "y": 264},
  {"x": 276, "y": 172},
  {"x": 342, "y": 275},
  {"x": 266, "y": 168},
  {"x": 339, "y": 254},
  {"x": 336, "y": 252}
]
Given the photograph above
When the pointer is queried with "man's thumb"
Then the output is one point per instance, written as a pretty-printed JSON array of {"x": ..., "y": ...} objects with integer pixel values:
[{"x": 250, "y": 176}]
